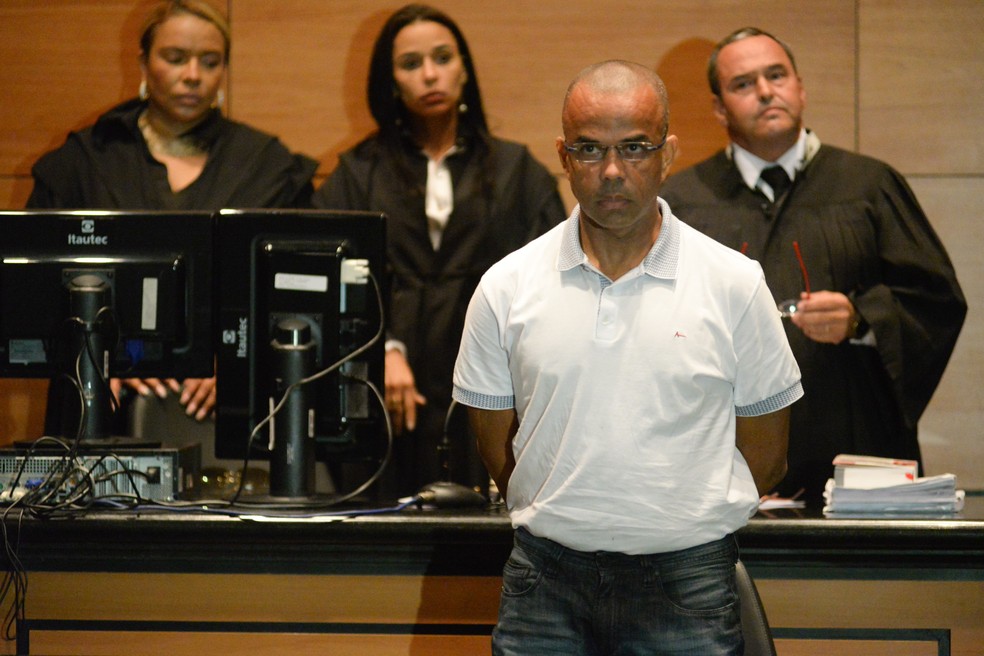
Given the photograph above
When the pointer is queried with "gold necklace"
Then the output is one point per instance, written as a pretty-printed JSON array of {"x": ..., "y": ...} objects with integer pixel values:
[{"x": 158, "y": 144}]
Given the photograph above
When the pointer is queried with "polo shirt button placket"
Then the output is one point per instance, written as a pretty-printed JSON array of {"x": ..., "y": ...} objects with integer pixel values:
[{"x": 607, "y": 315}]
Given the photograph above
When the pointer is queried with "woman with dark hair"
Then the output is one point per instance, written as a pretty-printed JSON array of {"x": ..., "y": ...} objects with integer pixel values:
[
  {"x": 171, "y": 149},
  {"x": 457, "y": 200}
]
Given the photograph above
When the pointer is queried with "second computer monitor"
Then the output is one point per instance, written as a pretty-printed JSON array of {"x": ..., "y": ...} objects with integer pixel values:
[{"x": 323, "y": 271}]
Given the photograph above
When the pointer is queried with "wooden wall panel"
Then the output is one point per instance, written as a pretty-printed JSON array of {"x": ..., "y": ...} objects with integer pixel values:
[
  {"x": 248, "y": 598},
  {"x": 874, "y": 604},
  {"x": 855, "y": 647},
  {"x": 22, "y": 406},
  {"x": 921, "y": 65},
  {"x": 919, "y": 109},
  {"x": 398, "y": 602},
  {"x": 159, "y": 643},
  {"x": 949, "y": 432},
  {"x": 64, "y": 62},
  {"x": 14, "y": 191}
]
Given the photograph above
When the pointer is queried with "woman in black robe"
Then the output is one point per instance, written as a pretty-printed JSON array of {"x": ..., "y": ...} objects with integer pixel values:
[
  {"x": 457, "y": 200},
  {"x": 172, "y": 149}
]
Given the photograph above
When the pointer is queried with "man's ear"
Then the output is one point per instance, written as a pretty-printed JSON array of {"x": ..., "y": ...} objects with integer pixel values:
[
  {"x": 565, "y": 157},
  {"x": 719, "y": 111},
  {"x": 668, "y": 154}
]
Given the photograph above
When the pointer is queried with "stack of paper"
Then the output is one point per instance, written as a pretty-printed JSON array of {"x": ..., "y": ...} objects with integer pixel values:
[
  {"x": 871, "y": 471},
  {"x": 882, "y": 486}
]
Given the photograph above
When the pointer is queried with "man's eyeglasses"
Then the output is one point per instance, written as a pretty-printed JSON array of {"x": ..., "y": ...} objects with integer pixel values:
[{"x": 589, "y": 152}]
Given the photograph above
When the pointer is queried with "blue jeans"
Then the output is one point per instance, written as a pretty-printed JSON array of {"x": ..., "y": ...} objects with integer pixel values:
[{"x": 559, "y": 601}]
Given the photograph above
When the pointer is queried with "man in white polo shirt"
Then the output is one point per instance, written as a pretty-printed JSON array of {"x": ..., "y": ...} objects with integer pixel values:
[{"x": 628, "y": 380}]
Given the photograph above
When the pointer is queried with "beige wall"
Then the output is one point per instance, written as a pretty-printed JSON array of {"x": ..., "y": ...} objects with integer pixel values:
[{"x": 896, "y": 79}]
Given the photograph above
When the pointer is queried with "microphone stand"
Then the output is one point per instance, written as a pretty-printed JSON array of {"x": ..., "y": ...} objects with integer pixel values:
[{"x": 445, "y": 493}]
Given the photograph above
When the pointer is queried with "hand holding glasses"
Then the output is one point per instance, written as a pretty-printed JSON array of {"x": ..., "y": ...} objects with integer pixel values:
[{"x": 789, "y": 307}]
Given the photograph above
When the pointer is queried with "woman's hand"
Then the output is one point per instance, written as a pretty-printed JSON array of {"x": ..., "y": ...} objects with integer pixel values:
[
  {"x": 197, "y": 394},
  {"x": 402, "y": 397},
  {"x": 198, "y": 397}
]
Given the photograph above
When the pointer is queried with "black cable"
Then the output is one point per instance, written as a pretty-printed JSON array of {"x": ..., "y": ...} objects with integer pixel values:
[
  {"x": 380, "y": 331},
  {"x": 70, "y": 488},
  {"x": 15, "y": 576}
]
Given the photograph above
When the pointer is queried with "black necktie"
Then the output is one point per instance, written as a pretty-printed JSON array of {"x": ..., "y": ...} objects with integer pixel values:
[{"x": 778, "y": 179}]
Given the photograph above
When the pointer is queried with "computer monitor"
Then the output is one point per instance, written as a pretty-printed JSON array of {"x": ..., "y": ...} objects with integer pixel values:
[
  {"x": 312, "y": 280},
  {"x": 89, "y": 295}
]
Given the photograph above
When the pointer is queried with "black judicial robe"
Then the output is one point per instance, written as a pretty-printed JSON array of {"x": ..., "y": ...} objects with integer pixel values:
[
  {"x": 108, "y": 166},
  {"x": 861, "y": 232},
  {"x": 430, "y": 290}
]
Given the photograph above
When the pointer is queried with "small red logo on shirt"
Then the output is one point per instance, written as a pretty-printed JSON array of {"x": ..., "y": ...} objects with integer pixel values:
[{"x": 679, "y": 334}]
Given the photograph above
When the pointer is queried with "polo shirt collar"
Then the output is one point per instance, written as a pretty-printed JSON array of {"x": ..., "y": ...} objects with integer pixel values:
[{"x": 661, "y": 261}]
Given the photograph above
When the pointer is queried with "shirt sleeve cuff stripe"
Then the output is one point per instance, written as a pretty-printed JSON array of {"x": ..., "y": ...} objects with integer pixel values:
[
  {"x": 482, "y": 401},
  {"x": 771, "y": 404}
]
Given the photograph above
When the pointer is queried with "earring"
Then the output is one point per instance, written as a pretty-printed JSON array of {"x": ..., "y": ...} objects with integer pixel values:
[
  {"x": 219, "y": 99},
  {"x": 463, "y": 108},
  {"x": 142, "y": 91}
]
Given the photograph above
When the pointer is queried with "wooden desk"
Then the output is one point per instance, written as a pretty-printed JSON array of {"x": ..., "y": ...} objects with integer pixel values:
[{"x": 427, "y": 582}]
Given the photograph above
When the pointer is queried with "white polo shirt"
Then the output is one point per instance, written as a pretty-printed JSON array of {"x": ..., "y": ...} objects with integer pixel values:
[{"x": 627, "y": 391}]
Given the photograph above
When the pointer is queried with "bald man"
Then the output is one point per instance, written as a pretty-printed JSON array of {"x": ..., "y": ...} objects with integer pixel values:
[{"x": 629, "y": 384}]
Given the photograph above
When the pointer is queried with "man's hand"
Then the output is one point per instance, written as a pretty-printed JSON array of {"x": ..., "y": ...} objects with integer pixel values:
[{"x": 826, "y": 317}]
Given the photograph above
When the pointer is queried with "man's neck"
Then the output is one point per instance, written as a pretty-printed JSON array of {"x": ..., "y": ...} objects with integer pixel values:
[
  {"x": 616, "y": 252},
  {"x": 769, "y": 150},
  {"x": 750, "y": 165}
]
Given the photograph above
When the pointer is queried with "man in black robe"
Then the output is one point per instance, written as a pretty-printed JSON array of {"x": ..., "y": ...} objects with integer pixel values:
[{"x": 877, "y": 305}]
